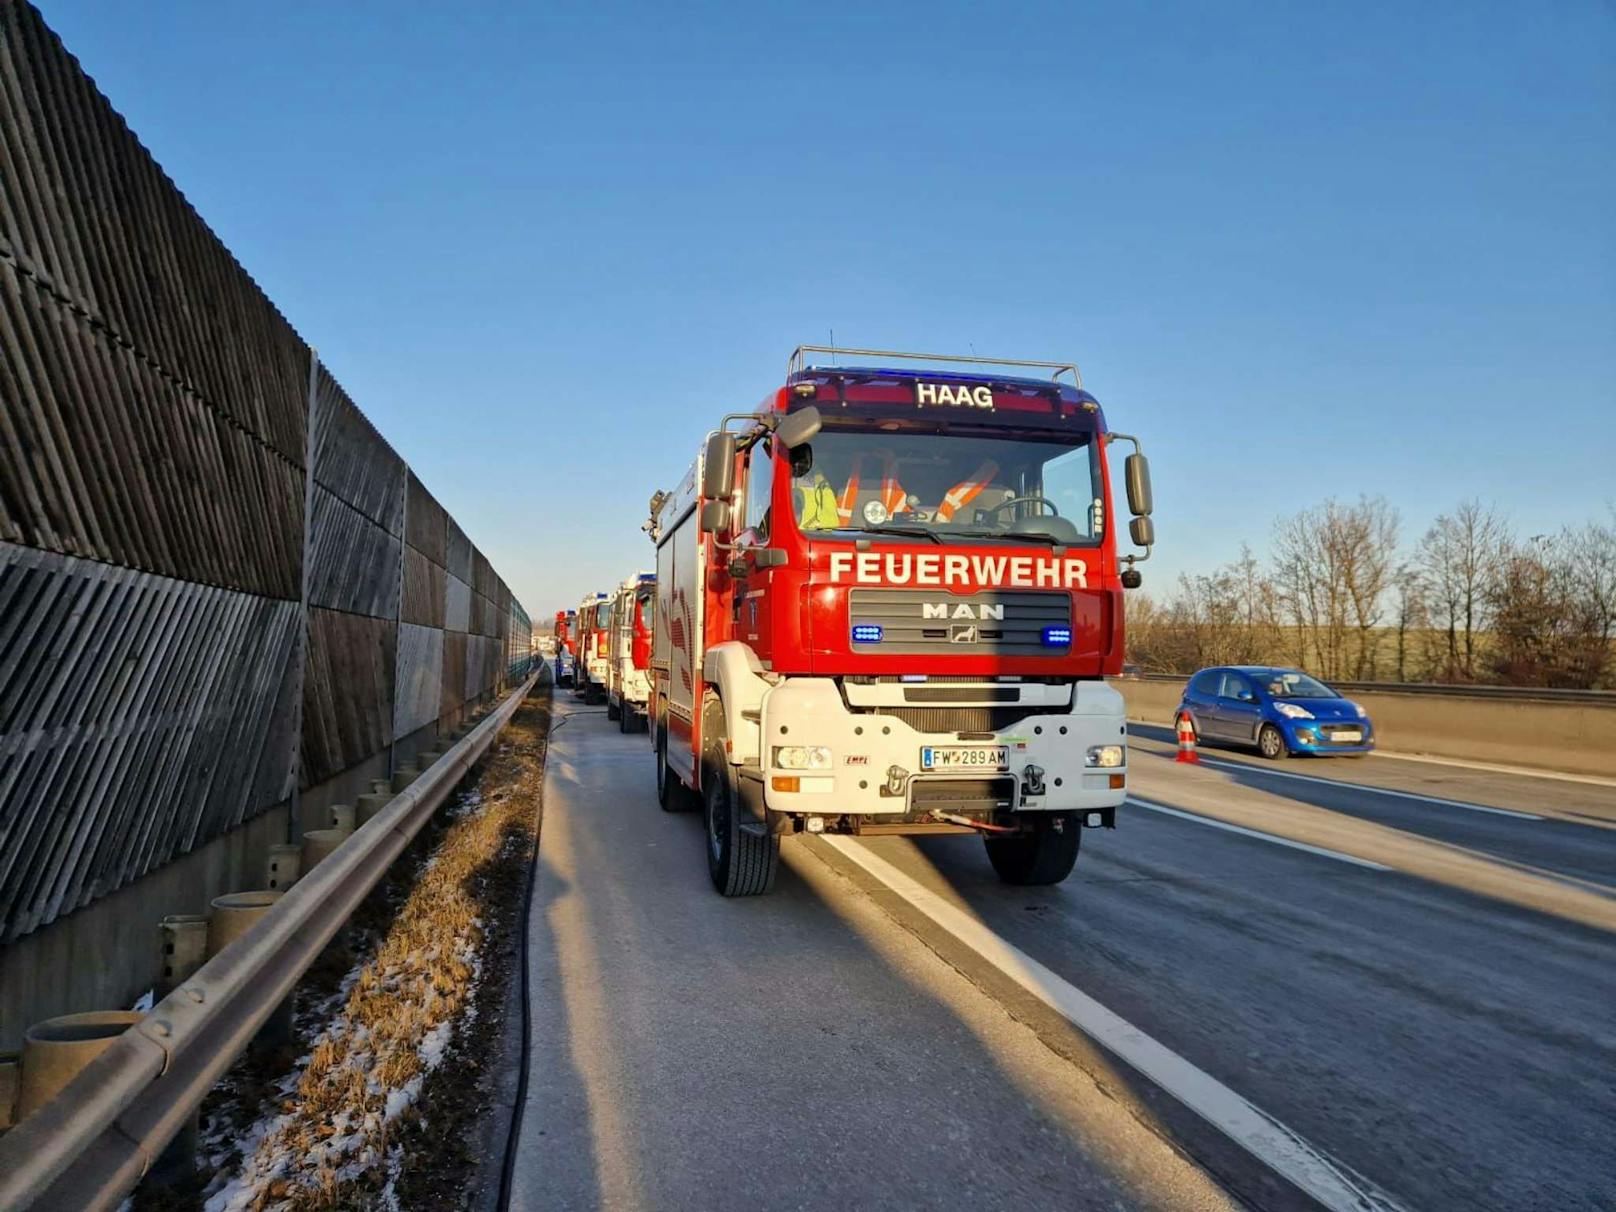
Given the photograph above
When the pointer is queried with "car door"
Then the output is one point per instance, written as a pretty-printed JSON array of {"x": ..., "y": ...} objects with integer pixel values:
[
  {"x": 1239, "y": 713},
  {"x": 1202, "y": 696}
]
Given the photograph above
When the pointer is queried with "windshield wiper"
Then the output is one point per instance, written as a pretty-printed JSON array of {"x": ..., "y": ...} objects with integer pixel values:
[
  {"x": 917, "y": 531},
  {"x": 1037, "y": 535}
]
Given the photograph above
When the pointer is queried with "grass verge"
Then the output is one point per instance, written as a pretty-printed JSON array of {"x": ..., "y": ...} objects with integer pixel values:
[{"x": 380, "y": 1111}]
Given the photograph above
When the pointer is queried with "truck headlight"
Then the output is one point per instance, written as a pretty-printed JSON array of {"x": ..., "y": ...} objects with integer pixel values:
[
  {"x": 1104, "y": 756},
  {"x": 802, "y": 757}
]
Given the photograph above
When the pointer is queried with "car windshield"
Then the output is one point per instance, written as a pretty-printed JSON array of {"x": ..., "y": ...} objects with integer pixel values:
[
  {"x": 1288, "y": 684},
  {"x": 904, "y": 481}
]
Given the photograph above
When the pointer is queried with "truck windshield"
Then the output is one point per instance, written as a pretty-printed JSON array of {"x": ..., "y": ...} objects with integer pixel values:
[{"x": 854, "y": 478}]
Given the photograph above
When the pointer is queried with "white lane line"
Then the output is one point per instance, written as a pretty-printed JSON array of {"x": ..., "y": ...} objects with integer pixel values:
[
  {"x": 1525, "y": 772},
  {"x": 1266, "y": 773},
  {"x": 1259, "y": 1133},
  {"x": 1259, "y": 835}
]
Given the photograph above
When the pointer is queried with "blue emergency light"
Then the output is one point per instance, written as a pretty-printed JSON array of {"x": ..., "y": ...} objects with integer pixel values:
[
  {"x": 867, "y": 633},
  {"x": 1057, "y": 637}
]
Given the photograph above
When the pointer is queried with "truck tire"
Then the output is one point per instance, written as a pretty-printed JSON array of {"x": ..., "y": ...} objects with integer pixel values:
[
  {"x": 742, "y": 862},
  {"x": 613, "y": 711},
  {"x": 625, "y": 717},
  {"x": 1043, "y": 857},
  {"x": 672, "y": 794}
]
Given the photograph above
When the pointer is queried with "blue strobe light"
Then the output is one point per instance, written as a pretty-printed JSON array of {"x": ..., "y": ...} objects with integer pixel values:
[
  {"x": 1057, "y": 637},
  {"x": 866, "y": 633}
]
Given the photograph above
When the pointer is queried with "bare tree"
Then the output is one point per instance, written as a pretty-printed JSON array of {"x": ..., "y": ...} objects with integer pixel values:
[
  {"x": 1333, "y": 566},
  {"x": 1591, "y": 555},
  {"x": 1367, "y": 536},
  {"x": 1459, "y": 556},
  {"x": 1409, "y": 610}
]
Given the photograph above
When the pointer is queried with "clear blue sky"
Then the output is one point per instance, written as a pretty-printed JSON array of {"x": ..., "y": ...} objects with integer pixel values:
[{"x": 1301, "y": 250}]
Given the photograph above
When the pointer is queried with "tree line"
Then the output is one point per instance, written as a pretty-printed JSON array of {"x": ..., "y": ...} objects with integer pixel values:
[{"x": 1339, "y": 595}]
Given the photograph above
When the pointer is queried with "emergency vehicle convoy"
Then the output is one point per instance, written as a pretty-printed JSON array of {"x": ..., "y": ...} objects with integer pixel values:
[
  {"x": 565, "y": 646},
  {"x": 589, "y": 672},
  {"x": 627, "y": 686},
  {"x": 886, "y": 602}
]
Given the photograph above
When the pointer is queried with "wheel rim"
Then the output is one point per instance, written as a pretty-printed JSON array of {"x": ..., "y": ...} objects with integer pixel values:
[
  {"x": 1270, "y": 742},
  {"x": 717, "y": 818}
]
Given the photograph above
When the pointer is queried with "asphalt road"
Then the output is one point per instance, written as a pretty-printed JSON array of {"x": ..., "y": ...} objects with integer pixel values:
[{"x": 1257, "y": 991}]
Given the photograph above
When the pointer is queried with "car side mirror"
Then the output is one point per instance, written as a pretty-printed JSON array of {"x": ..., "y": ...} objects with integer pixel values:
[
  {"x": 718, "y": 467},
  {"x": 798, "y": 428}
]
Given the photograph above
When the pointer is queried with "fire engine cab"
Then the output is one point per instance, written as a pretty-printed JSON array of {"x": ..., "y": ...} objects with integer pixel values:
[
  {"x": 886, "y": 602},
  {"x": 589, "y": 673},
  {"x": 627, "y": 686}
]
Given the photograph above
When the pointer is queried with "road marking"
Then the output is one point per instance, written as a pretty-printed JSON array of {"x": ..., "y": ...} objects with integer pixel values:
[
  {"x": 1526, "y": 772},
  {"x": 1259, "y": 1133},
  {"x": 1259, "y": 835},
  {"x": 1224, "y": 764}
]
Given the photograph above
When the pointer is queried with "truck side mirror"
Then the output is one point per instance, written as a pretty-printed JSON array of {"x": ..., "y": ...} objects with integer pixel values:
[
  {"x": 718, "y": 467},
  {"x": 1136, "y": 472},
  {"x": 798, "y": 428},
  {"x": 714, "y": 518},
  {"x": 1142, "y": 531}
]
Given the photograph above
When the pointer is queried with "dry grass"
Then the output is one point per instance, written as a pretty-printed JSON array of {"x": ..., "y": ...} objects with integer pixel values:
[{"x": 329, "y": 1145}]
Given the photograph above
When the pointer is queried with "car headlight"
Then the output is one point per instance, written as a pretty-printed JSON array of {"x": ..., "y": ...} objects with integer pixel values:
[
  {"x": 1104, "y": 756},
  {"x": 1362, "y": 714},
  {"x": 802, "y": 757},
  {"x": 1292, "y": 711}
]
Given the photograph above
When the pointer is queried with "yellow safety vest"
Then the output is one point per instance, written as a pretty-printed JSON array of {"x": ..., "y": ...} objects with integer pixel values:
[{"x": 818, "y": 505}]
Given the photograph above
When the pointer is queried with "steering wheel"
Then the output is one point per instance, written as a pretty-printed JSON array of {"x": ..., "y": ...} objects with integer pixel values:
[{"x": 1005, "y": 504}]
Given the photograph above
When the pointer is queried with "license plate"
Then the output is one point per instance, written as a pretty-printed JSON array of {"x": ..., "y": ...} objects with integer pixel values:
[
  {"x": 965, "y": 757},
  {"x": 1347, "y": 734}
]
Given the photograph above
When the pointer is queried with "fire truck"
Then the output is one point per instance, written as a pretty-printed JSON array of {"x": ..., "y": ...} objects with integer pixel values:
[
  {"x": 589, "y": 674},
  {"x": 565, "y": 626},
  {"x": 627, "y": 686},
  {"x": 887, "y": 601}
]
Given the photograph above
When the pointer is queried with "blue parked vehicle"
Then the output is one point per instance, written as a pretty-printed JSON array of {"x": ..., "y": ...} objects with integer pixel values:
[{"x": 1280, "y": 711}]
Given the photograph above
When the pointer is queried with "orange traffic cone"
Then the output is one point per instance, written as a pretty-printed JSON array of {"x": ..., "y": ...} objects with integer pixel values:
[{"x": 1186, "y": 740}]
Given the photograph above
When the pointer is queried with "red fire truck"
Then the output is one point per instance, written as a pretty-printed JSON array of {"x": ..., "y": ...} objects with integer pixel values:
[
  {"x": 627, "y": 684},
  {"x": 565, "y": 646},
  {"x": 589, "y": 675},
  {"x": 887, "y": 601}
]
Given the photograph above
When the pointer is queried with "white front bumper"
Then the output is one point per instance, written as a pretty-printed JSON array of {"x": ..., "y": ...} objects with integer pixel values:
[{"x": 810, "y": 711}]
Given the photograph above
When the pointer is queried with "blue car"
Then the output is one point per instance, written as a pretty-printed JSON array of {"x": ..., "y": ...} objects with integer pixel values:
[{"x": 1280, "y": 711}]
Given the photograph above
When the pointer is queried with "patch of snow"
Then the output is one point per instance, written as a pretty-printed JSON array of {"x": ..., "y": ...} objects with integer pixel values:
[{"x": 144, "y": 1003}]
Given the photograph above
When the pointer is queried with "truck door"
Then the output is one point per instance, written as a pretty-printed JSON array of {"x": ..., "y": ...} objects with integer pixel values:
[{"x": 751, "y": 605}]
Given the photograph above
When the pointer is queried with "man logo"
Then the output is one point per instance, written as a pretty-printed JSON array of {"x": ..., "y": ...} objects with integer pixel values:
[
  {"x": 962, "y": 633},
  {"x": 962, "y": 610}
]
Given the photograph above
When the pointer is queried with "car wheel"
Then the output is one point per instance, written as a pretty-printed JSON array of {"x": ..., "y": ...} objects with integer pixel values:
[{"x": 1271, "y": 743}]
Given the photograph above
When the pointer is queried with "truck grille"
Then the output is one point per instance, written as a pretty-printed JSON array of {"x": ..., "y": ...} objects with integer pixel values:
[
  {"x": 957, "y": 719},
  {"x": 1000, "y": 622}
]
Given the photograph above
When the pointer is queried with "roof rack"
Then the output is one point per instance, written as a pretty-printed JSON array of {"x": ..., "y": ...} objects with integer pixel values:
[{"x": 798, "y": 362}]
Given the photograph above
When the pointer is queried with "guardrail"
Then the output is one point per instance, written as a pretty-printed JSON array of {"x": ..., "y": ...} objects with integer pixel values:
[
  {"x": 1501, "y": 694},
  {"x": 90, "y": 1145}
]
